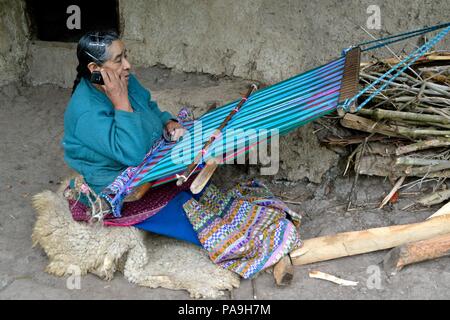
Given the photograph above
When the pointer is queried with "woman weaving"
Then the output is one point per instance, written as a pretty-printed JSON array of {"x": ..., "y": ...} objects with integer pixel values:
[{"x": 111, "y": 126}]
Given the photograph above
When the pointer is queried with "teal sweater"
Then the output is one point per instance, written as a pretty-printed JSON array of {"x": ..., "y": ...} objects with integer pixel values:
[{"x": 100, "y": 142}]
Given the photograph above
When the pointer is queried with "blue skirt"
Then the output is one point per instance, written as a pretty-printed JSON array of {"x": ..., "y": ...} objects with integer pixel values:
[{"x": 172, "y": 221}]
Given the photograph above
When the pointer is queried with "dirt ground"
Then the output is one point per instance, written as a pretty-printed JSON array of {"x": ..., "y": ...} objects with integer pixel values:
[{"x": 31, "y": 160}]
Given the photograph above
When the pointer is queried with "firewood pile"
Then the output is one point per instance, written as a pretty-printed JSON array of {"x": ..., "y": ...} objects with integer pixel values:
[{"x": 406, "y": 126}]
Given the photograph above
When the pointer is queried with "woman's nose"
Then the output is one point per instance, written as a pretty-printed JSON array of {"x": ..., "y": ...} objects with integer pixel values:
[{"x": 126, "y": 64}]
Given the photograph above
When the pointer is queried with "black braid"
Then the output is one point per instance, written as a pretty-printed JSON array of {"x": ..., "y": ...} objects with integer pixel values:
[{"x": 78, "y": 78}]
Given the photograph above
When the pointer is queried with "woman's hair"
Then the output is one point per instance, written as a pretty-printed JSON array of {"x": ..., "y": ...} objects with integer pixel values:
[{"x": 92, "y": 47}]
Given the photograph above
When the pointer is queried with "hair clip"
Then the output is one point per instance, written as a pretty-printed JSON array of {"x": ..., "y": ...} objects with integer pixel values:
[{"x": 90, "y": 55}]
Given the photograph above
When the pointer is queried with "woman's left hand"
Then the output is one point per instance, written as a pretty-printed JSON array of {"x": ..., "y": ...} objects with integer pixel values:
[{"x": 175, "y": 130}]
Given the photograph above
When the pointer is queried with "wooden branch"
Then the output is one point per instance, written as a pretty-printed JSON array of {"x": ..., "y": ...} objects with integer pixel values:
[
  {"x": 393, "y": 191},
  {"x": 430, "y": 57},
  {"x": 380, "y": 114},
  {"x": 358, "y": 242},
  {"x": 328, "y": 277},
  {"x": 283, "y": 272},
  {"x": 375, "y": 165},
  {"x": 414, "y": 252},
  {"x": 429, "y": 100},
  {"x": 434, "y": 198},
  {"x": 353, "y": 121},
  {"x": 418, "y": 172},
  {"x": 411, "y": 161},
  {"x": 423, "y": 145}
]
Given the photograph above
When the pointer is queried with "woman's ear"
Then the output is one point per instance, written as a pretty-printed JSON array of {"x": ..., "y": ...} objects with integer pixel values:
[{"x": 93, "y": 67}]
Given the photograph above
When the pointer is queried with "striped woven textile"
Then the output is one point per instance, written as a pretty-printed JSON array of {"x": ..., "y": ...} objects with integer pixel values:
[
  {"x": 123, "y": 185},
  {"x": 246, "y": 229}
]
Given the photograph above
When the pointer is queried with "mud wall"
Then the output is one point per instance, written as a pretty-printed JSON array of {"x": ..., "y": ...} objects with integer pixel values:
[
  {"x": 13, "y": 40},
  {"x": 266, "y": 40}
]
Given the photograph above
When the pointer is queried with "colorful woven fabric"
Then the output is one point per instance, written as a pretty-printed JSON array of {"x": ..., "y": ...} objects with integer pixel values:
[
  {"x": 124, "y": 184},
  {"x": 245, "y": 230},
  {"x": 132, "y": 212}
]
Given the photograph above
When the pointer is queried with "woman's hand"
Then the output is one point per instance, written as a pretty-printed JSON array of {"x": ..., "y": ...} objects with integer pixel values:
[
  {"x": 116, "y": 88},
  {"x": 175, "y": 130}
]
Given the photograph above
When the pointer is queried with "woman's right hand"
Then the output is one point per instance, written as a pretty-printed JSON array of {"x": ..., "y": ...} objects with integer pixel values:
[{"x": 116, "y": 88}]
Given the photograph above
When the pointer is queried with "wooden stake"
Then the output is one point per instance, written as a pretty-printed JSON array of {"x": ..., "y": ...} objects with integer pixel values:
[
  {"x": 283, "y": 272},
  {"x": 414, "y": 252}
]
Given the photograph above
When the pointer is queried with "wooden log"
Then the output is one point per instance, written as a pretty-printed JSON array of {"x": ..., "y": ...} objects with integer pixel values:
[
  {"x": 414, "y": 252},
  {"x": 384, "y": 166},
  {"x": 359, "y": 242},
  {"x": 283, "y": 272}
]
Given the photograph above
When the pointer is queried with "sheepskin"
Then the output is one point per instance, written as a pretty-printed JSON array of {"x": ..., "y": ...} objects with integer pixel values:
[{"x": 144, "y": 259}]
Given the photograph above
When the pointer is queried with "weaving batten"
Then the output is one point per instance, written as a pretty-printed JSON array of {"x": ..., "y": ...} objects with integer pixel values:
[
  {"x": 350, "y": 78},
  {"x": 201, "y": 155}
]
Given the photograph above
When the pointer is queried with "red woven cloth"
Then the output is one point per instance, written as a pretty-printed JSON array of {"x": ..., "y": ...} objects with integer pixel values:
[{"x": 133, "y": 212}]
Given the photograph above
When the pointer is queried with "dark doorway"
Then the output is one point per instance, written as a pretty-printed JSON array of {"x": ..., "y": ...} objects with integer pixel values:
[{"x": 59, "y": 20}]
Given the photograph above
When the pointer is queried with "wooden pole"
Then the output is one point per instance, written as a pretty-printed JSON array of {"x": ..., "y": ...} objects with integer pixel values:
[
  {"x": 358, "y": 242},
  {"x": 414, "y": 252}
]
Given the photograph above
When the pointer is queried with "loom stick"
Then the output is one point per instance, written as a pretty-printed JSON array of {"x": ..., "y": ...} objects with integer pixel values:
[
  {"x": 359, "y": 242},
  {"x": 185, "y": 176},
  {"x": 138, "y": 193},
  {"x": 205, "y": 174}
]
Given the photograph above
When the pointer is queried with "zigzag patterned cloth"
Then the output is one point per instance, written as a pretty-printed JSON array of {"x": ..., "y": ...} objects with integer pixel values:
[{"x": 245, "y": 230}]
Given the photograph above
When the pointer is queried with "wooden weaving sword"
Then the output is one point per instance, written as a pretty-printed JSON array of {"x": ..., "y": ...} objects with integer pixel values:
[{"x": 210, "y": 167}]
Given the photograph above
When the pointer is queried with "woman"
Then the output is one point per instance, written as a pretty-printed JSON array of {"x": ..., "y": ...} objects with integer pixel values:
[{"x": 109, "y": 127}]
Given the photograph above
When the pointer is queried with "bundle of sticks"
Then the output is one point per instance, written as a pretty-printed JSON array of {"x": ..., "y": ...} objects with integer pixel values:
[
  {"x": 404, "y": 132},
  {"x": 407, "y": 125}
]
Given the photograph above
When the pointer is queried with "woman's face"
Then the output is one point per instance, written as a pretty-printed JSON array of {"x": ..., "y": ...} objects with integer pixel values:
[{"x": 118, "y": 59}]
